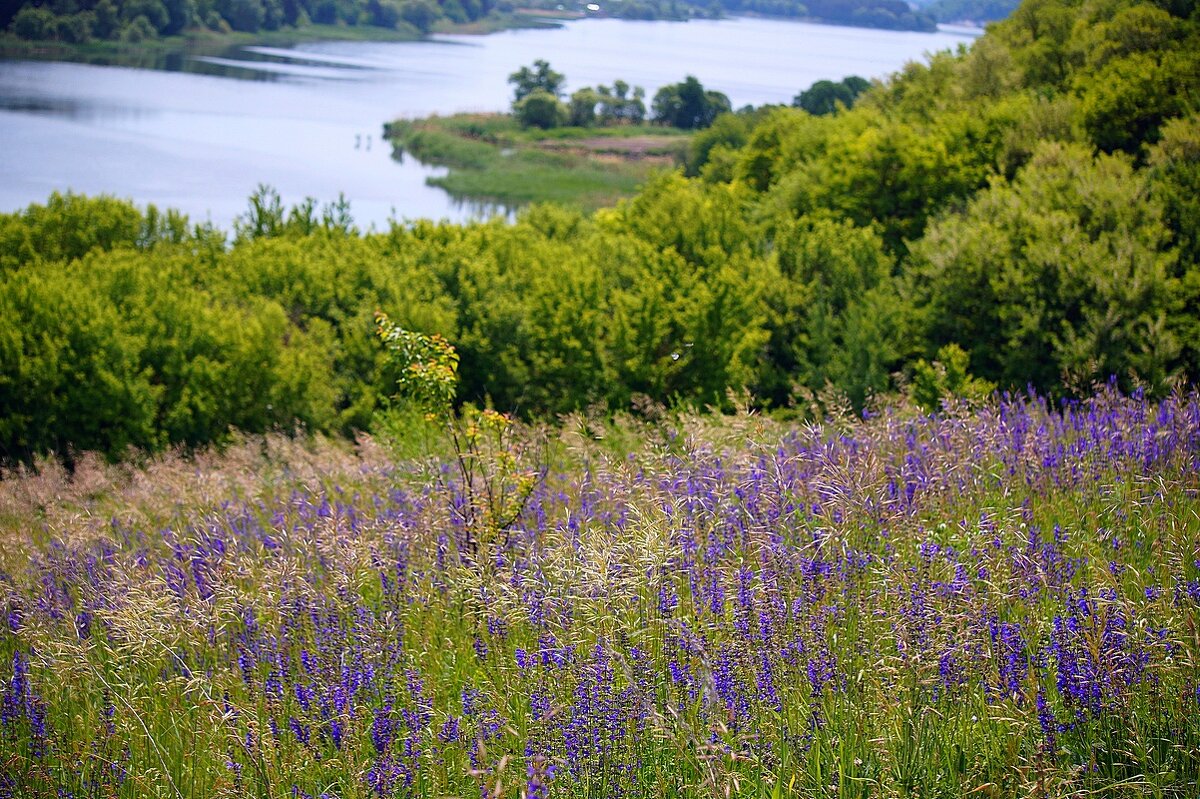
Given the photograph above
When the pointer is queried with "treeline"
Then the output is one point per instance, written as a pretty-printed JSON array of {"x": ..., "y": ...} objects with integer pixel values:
[
  {"x": 80, "y": 21},
  {"x": 1025, "y": 213},
  {"x": 969, "y": 10},
  {"x": 824, "y": 96},
  {"x": 538, "y": 92},
  {"x": 889, "y": 14}
]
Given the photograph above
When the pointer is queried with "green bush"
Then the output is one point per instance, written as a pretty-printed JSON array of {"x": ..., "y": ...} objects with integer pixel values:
[{"x": 540, "y": 109}]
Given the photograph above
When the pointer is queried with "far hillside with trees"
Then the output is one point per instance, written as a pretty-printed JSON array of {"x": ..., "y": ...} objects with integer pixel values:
[
  {"x": 74, "y": 22},
  {"x": 890, "y": 14},
  {"x": 968, "y": 10},
  {"x": 133, "y": 21}
]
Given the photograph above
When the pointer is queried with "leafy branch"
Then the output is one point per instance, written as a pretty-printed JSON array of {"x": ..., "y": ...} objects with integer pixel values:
[{"x": 488, "y": 452}]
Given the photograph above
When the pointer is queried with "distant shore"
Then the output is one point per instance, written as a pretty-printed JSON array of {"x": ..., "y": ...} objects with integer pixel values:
[{"x": 154, "y": 53}]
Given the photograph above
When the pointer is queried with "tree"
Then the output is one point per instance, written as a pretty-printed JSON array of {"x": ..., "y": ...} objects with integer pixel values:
[
  {"x": 33, "y": 23},
  {"x": 180, "y": 15},
  {"x": 539, "y": 109},
  {"x": 156, "y": 13},
  {"x": 421, "y": 14},
  {"x": 727, "y": 130},
  {"x": 107, "y": 22},
  {"x": 1175, "y": 181},
  {"x": 947, "y": 377},
  {"x": 1065, "y": 271},
  {"x": 542, "y": 77},
  {"x": 835, "y": 317},
  {"x": 1125, "y": 102},
  {"x": 824, "y": 96},
  {"x": 242, "y": 15},
  {"x": 384, "y": 13},
  {"x": 618, "y": 107},
  {"x": 687, "y": 105},
  {"x": 582, "y": 113},
  {"x": 74, "y": 28}
]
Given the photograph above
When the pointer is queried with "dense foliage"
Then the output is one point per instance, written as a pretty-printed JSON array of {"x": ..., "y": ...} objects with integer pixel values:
[
  {"x": 537, "y": 102},
  {"x": 995, "y": 603},
  {"x": 824, "y": 96},
  {"x": 619, "y": 104},
  {"x": 1031, "y": 202},
  {"x": 687, "y": 105},
  {"x": 889, "y": 14},
  {"x": 969, "y": 10}
]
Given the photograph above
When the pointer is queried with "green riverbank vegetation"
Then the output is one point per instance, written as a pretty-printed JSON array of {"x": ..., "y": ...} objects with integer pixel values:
[
  {"x": 588, "y": 152},
  {"x": 135, "y": 31},
  {"x": 888, "y": 14},
  {"x": 1019, "y": 214},
  {"x": 493, "y": 160}
]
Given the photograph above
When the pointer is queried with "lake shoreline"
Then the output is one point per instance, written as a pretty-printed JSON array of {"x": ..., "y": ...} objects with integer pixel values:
[
  {"x": 149, "y": 52},
  {"x": 491, "y": 160}
]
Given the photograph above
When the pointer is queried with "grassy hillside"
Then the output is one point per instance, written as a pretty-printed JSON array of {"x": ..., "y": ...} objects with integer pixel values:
[
  {"x": 992, "y": 603},
  {"x": 1019, "y": 214},
  {"x": 958, "y": 556}
]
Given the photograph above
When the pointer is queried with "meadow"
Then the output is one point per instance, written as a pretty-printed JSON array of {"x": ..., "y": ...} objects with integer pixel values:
[
  {"x": 492, "y": 159},
  {"x": 997, "y": 599}
]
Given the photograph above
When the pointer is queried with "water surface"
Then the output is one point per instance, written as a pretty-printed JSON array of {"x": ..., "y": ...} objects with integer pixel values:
[{"x": 307, "y": 120}]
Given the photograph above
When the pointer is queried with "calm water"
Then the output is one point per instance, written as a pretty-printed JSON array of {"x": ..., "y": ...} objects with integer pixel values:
[{"x": 307, "y": 120}]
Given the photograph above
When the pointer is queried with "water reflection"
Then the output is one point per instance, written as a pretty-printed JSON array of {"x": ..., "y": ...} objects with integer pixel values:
[
  {"x": 276, "y": 69},
  {"x": 76, "y": 109},
  {"x": 52, "y": 106},
  {"x": 484, "y": 209}
]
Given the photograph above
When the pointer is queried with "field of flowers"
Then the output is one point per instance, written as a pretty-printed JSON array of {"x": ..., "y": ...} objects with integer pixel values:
[{"x": 999, "y": 601}]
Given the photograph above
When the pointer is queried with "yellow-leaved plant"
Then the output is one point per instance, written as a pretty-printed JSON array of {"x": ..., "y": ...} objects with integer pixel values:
[{"x": 492, "y": 453}]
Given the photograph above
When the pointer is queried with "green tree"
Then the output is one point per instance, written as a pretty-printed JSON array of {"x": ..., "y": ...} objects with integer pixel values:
[
  {"x": 153, "y": 10},
  {"x": 107, "y": 22},
  {"x": 384, "y": 13},
  {"x": 618, "y": 106},
  {"x": 541, "y": 77},
  {"x": 70, "y": 379},
  {"x": 825, "y": 96},
  {"x": 181, "y": 14},
  {"x": 74, "y": 28},
  {"x": 947, "y": 377},
  {"x": 1125, "y": 102},
  {"x": 421, "y": 14},
  {"x": 835, "y": 313},
  {"x": 1064, "y": 272},
  {"x": 687, "y": 105},
  {"x": 33, "y": 22},
  {"x": 139, "y": 29},
  {"x": 582, "y": 108},
  {"x": 1175, "y": 182},
  {"x": 727, "y": 130},
  {"x": 539, "y": 109}
]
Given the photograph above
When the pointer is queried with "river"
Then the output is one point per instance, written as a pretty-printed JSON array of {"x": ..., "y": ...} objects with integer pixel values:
[{"x": 307, "y": 119}]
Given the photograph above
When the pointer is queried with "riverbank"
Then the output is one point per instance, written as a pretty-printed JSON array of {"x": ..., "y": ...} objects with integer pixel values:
[
  {"x": 491, "y": 159},
  {"x": 167, "y": 52}
]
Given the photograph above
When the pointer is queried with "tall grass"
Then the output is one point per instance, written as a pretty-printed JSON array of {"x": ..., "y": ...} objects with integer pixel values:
[
  {"x": 492, "y": 159},
  {"x": 995, "y": 602}
]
